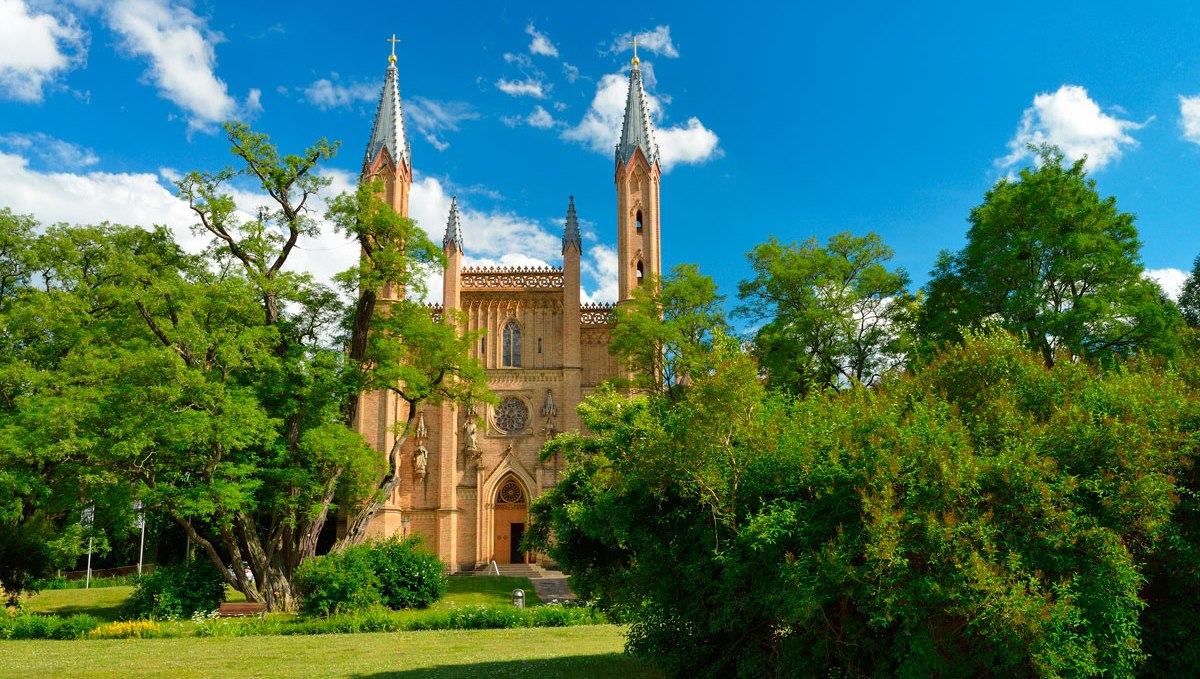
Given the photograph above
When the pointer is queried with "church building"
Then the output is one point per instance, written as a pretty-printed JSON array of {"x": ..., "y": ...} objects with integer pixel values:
[{"x": 465, "y": 486}]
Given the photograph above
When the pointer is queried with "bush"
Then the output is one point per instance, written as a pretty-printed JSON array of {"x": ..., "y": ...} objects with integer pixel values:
[
  {"x": 337, "y": 583},
  {"x": 409, "y": 576},
  {"x": 178, "y": 591},
  {"x": 30, "y": 626},
  {"x": 394, "y": 573}
]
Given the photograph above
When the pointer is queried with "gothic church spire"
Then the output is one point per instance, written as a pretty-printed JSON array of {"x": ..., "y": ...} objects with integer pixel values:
[
  {"x": 571, "y": 230},
  {"x": 453, "y": 235},
  {"x": 636, "y": 133},
  {"x": 388, "y": 131}
]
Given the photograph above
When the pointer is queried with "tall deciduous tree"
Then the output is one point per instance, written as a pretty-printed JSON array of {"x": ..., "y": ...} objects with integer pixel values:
[
  {"x": 219, "y": 388},
  {"x": 667, "y": 327},
  {"x": 1052, "y": 261},
  {"x": 831, "y": 315},
  {"x": 1189, "y": 297}
]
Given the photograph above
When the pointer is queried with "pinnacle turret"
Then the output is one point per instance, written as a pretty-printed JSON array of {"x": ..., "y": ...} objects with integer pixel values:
[
  {"x": 453, "y": 227},
  {"x": 636, "y": 133},
  {"x": 571, "y": 230},
  {"x": 388, "y": 131}
]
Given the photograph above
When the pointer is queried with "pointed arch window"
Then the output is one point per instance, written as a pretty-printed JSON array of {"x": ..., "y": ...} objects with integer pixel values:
[
  {"x": 640, "y": 273},
  {"x": 511, "y": 357},
  {"x": 639, "y": 222}
]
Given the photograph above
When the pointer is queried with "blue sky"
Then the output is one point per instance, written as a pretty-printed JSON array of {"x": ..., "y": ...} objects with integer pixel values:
[{"x": 794, "y": 120}]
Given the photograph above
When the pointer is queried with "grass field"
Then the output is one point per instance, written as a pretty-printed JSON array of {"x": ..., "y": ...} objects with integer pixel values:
[
  {"x": 105, "y": 602},
  {"x": 587, "y": 651}
]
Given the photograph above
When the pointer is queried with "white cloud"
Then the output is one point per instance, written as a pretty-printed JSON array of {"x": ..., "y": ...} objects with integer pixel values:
[
  {"x": 94, "y": 197},
  {"x": 600, "y": 264},
  {"x": 657, "y": 41},
  {"x": 1071, "y": 120},
  {"x": 600, "y": 128},
  {"x": 1170, "y": 280},
  {"x": 539, "y": 118},
  {"x": 326, "y": 94},
  {"x": 34, "y": 49},
  {"x": 571, "y": 73},
  {"x": 540, "y": 44},
  {"x": 518, "y": 88},
  {"x": 56, "y": 153},
  {"x": 179, "y": 46},
  {"x": 1189, "y": 118},
  {"x": 432, "y": 117}
]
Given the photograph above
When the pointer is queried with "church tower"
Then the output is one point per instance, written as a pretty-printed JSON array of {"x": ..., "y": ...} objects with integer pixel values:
[
  {"x": 388, "y": 157},
  {"x": 637, "y": 178}
]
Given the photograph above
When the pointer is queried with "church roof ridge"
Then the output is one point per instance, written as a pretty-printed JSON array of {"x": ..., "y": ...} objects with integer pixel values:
[
  {"x": 571, "y": 229},
  {"x": 453, "y": 227},
  {"x": 637, "y": 131},
  {"x": 388, "y": 132}
]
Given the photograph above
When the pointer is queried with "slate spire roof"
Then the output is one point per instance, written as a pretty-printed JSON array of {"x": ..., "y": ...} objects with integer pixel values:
[
  {"x": 453, "y": 227},
  {"x": 571, "y": 231},
  {"x": 636, "y": 133},
  {"x": 388, "y": 131}
]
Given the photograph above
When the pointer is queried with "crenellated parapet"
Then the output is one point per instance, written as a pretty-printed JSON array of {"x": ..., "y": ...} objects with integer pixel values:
[{"x": 515, "y": 278}]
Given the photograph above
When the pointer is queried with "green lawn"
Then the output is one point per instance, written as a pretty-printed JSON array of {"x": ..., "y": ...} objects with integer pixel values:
[
  {"x": 589, "y": 651},
  {"x": 105, "y": 602}
]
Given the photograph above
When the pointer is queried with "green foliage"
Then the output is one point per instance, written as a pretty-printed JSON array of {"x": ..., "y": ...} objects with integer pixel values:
[
  {"x": 1189, "y": 297},
  {"x": 392, "y": 572},
  {"x": 29, "y": 626},
  {"x": 342, "y": 582},
  {"x": 173, "y": 592},
  {"x": 832, "y": 315},
  {"x": 667, "y": 327},
  {"x": 986, "y": 516},
  {"x": 1051, "y": 261},
  {"x": 409, "y": 575},
  {"x": 215, "y": 389},
  {"x": 24, "y": 558}
]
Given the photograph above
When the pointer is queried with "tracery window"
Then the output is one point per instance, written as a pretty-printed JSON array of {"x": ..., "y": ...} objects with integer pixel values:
[
  {"x": 510, "y": 493},
  {"x": 512, "y": 415},
  {"x": 512, "y": 345}
]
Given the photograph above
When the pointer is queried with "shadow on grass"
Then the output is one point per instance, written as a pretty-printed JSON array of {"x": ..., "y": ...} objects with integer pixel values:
[
  {"x": 107, "y": 613},
  {"x": 585, "y": 666}
]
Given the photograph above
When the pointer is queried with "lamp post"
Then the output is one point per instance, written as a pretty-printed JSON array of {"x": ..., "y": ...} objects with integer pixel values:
[{"x": 404, "y": 528}]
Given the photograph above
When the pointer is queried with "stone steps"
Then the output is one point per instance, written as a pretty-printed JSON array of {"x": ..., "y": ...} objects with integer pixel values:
[{"x": 513, "y": 570}]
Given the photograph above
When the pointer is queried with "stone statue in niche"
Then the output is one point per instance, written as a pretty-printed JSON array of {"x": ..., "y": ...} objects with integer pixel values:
[
  {"x": 420, "y": 461},
  {"x": 548, "y": 408},
  {"x": 421, "y": 431},
  {"x": 470, "y": 435}
]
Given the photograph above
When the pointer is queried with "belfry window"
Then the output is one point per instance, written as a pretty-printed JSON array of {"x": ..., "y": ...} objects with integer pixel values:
[
  {"x": 639, "y": 222},
  {"x": 512, "y": 345},
  {"x": 539, "y": 345},
  {"x": 641, "y": 274}
]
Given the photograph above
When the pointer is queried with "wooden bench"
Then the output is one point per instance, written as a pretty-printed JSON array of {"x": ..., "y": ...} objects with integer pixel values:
[{"x": 241, "y": 609}]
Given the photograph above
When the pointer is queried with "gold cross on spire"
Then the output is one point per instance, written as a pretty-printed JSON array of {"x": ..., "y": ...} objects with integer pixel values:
[
  {"x": 635, "y": 43},
  {"x": 393, "y": 40}
]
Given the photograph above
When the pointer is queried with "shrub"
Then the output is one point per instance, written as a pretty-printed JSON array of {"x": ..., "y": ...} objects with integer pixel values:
[
  {"x": 29, "y": 626},
  {"x": 409, "y": 575},
  {"x": 178, "y": 591},
  {"x": 337, "y": 583}
]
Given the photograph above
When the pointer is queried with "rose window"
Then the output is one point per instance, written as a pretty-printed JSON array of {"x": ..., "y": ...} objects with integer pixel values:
[
  {"x": 512, "y": 415},
  {"x": 510, "y": 493}
]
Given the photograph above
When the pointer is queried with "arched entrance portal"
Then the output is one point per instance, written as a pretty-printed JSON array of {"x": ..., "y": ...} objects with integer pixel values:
[{"x": 511, "y": 510}]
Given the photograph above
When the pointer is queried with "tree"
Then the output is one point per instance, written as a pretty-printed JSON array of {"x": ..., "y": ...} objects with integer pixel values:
[
  {"x": 832, "y": 316},
  {"x": 218, "y": 388},
  {"x": 1189, "y": 298},
  {"x": 1050, "y": 260},
  {"x": 984, "y": 516},
  {"x": 668, "y": 325}
]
